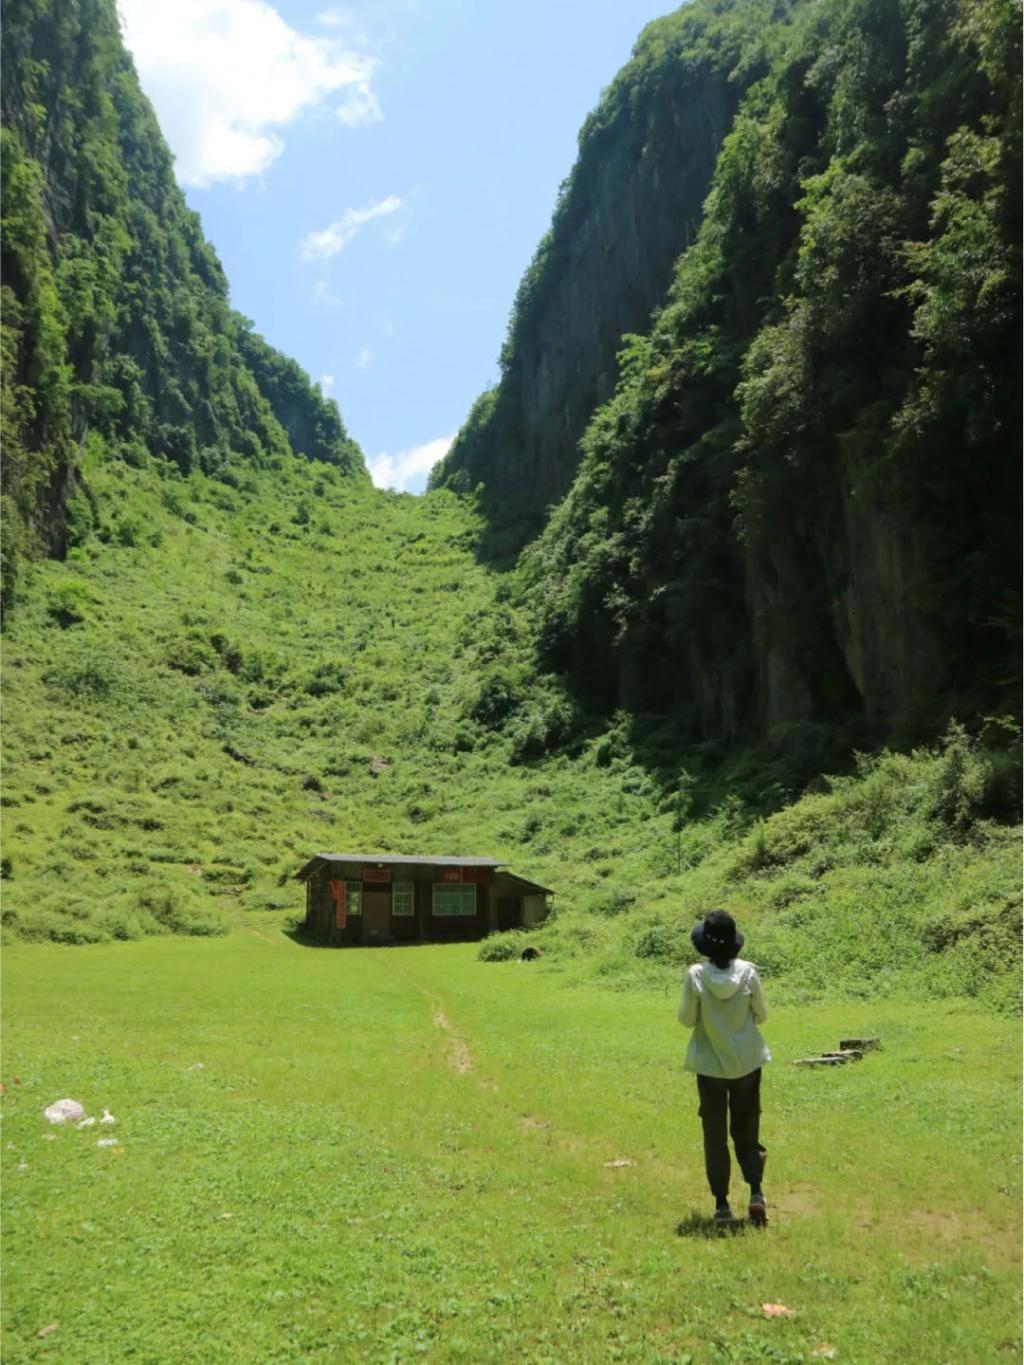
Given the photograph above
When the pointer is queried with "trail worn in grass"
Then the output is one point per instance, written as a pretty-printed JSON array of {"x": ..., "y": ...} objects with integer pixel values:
[{"x": 382, "y": 1155}]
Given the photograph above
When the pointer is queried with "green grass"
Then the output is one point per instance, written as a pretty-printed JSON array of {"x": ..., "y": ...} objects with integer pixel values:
[{"x": 388, "y": 1155}]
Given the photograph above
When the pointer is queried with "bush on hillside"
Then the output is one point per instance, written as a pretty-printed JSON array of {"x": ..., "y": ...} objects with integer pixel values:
[
  {"x": 191, "y": 654},
  {"x": 502, "y": 691},
  {"x": 68, "y": 602},
  {"x": 90, "y": 673},
  {"x": 666, "y": 942},
  {"x": 180, "y": 911},
  {"x": 545, "y": 723},
  {"x": 503, "y": 947},
  {"x": 974, "y": 781}
]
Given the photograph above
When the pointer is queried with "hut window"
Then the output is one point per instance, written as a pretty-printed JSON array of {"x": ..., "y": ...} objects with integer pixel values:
[
  {"x": 401, "y": 899},
  {"x": 454, "y": 900},
  {"x": 354, "y": 898}
]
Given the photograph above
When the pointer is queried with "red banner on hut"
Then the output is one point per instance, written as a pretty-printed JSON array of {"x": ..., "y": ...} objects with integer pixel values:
[
  {"x": 376, "y": 874},
  {"x": 338, "y": 892},
  {"x": 465, "y": 874}
]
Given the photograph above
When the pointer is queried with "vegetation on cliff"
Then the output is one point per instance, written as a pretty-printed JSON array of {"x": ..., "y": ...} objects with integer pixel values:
[
  {"x": 797, "y": 517},
  {"x": 115, "y": 309}
]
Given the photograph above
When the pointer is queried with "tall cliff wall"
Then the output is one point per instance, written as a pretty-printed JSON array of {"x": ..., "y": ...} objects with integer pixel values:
[
  {"x": 632, "y": 203},
  {"x": 798, "y": 512}
]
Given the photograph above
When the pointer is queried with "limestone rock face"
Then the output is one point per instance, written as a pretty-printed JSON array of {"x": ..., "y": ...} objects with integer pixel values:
[
  {"x": 631, "y": 207},
  {"x": 642, "y": 210}
]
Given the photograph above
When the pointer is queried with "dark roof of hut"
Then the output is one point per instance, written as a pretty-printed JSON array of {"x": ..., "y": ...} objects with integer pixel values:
[
  {"x": 523, "y": 884},
  {"x": 389, "y": 859}
]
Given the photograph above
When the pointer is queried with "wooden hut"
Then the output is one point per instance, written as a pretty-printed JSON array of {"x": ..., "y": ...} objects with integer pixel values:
[{"x": 391, "y": 898}]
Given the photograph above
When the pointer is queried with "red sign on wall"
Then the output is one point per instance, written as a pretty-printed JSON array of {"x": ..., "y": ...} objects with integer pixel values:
[
  {"x": 376, "y": 874},
  {"x": 338, "y": 892},
  {"x": 451, "y": 874}
]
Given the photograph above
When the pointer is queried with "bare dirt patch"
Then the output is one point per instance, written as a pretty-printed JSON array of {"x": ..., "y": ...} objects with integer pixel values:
[
  {"x": 459, "y": 1057},
  {"x": 532, "y": 1121},
  {"x": 798, "y": 1201}
]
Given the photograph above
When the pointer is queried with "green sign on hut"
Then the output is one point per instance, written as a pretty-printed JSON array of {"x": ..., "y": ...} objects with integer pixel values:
[{"x": 391, "y": 898}]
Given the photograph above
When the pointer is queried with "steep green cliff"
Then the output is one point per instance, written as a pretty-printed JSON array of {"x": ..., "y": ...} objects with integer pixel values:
[
  {"x": 115, "y": 310},
  {"x": 799, "y": 513},
  {"x": 631, "y": 204}
]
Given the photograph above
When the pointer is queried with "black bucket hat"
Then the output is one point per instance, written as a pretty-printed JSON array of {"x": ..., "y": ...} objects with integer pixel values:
[{"x": 717, "y": 935}]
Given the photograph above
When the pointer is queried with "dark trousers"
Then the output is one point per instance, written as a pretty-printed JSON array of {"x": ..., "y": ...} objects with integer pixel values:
[{"x": 740, "y": 1102}]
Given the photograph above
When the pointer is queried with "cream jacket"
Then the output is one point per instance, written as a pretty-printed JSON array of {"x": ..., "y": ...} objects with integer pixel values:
[{"x": 723, "y": 1006}]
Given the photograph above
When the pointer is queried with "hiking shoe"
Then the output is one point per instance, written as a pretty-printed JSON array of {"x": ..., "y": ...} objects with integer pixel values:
[
  {"x": 757, "y": 1210},
  {"x": 723, "y": 1214}
]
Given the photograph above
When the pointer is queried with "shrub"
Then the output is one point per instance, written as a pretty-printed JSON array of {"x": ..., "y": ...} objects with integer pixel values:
[
  {"x": 128, "y": 532},
  {"x": 179, "y": 912},
  {"x": 327, "y": 677},
  {"x": 664, "y": 942},
  {"x": 191, "y": 654},
  {"x": 500, "y": 696},
  {"x": 503, "y": 947},
  {"x": 68, "y": 602},
  {"x": 960, "y": 779},
  {"x": 615, "y": 901},
  {"x": 91, "y": 674},
  {"x": 546, "y": 723}
]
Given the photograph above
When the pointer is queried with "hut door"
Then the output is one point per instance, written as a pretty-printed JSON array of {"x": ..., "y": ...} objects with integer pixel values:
[
  {"x": 376, "y": 914},
  {"x": 508, "y": 912}
]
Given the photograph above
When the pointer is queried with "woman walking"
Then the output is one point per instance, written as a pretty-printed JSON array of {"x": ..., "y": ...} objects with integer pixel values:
[{"x": 723, "y": 1003}]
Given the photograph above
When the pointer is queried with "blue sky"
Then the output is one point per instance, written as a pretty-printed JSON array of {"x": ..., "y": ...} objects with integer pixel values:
[{"x": 375, "y": 177}]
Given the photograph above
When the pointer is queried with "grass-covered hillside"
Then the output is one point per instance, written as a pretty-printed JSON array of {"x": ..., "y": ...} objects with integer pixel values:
[{"x": 233, "y": 675}]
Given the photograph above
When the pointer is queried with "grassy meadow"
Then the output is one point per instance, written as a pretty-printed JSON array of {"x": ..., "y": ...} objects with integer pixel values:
[{"x": 401, "y": 1154}]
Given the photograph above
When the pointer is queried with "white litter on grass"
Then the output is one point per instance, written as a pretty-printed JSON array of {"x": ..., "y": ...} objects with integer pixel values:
[
  {"x": 107, "y": 1117},
  {"x": 619, "y": 1163},
  {"x": 64, "y": 1111},
  {"x": 86, "y": 1122},
  {"x": 196, "y": 1066},
  {"x": 22, "y": 1165},
  {"x": 106, "y": 1142}
]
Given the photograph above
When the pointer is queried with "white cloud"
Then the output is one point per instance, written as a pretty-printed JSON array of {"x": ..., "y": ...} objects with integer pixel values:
[
  {"x": 323, "y": 297},
  {"x": 394, "y": 236},
  {"x": 361, "y": 105},
  {"x": 225, "y": 75},
  {"x": 326, "y": 384},
  {"x": 364, "y": 357},
  {"x": 330, "y": 240},
  {"x": 408, "y": 467}
]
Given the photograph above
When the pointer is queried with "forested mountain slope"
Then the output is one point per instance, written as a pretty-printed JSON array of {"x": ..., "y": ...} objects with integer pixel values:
[
  {"x": 798, "y": 515},
  {"x": 116, "y": 322}
]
